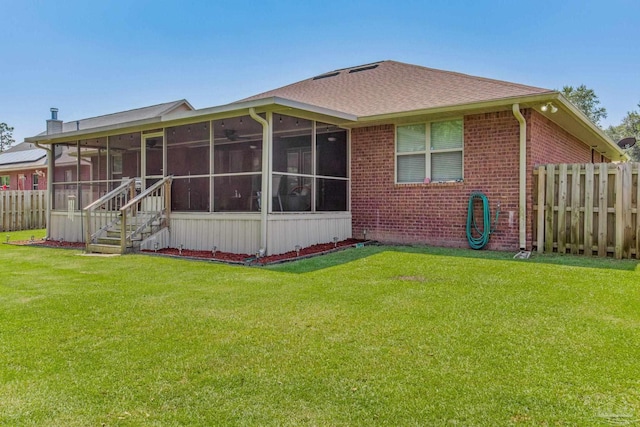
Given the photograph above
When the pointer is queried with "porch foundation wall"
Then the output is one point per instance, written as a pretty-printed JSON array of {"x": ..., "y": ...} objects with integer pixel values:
[{"x": 287, "y": 231}]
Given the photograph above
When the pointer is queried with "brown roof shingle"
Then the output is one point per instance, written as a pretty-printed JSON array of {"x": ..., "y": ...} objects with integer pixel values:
[{"x": 393, "y": 87}]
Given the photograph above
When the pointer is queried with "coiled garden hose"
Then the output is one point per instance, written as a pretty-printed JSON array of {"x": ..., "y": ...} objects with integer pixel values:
[{"x": 486, "y": 230}]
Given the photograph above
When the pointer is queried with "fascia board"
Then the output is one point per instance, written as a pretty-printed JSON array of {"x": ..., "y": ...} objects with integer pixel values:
[{"x": 185, "y": 116}]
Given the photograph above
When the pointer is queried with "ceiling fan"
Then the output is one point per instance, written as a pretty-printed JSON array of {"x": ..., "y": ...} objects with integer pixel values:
[{"x": 232, "y": 135}]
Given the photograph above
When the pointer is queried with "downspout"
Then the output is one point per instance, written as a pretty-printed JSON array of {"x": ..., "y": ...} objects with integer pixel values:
[
  {"x": 50, "y": 156},
  {"x": 264, "y": 205},
  {"x": 522, "y": 204}
]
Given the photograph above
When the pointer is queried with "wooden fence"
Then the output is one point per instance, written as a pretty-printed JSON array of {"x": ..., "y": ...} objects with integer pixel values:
[
  {"x": 23, "y": 210},
  {"x": 590, "y": 209}
]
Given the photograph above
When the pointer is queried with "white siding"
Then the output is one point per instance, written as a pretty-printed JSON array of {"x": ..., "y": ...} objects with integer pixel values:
[
  {"x": 287, "y": 231},
  {"x": 235, "y": 233},
  {"x": 239, "y": 233},
  {"x": 63, "y": 227}
]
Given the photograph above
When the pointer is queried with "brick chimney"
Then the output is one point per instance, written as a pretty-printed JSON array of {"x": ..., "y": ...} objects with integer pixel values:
[{"x": 54, "y": 125}]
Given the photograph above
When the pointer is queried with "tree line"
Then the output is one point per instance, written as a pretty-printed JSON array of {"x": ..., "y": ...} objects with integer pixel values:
[{"x": 587, "y": 101}]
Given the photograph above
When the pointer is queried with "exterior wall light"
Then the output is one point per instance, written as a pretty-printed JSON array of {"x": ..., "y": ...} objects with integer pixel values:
[{"x": 549, "y": 107}]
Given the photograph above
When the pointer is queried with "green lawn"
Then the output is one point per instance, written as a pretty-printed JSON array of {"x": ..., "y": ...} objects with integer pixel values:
[{"x": 371, "y": 336}]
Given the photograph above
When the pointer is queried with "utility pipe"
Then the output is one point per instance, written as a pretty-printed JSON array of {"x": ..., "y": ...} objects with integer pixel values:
[
  {"x": 265, "y": 196},
  {"x": 522, "y": 204},
  {"x": 50, "y": 151}
]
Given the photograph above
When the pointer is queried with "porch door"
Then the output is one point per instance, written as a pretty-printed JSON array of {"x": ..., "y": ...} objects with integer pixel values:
[{"x": 153, "y": 159}]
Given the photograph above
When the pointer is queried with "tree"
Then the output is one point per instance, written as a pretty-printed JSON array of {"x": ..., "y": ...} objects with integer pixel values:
[
  {"x": 6, "y": 136},
  {"x": 630, "y": 126},
  {"x": 587, "y": 101}
]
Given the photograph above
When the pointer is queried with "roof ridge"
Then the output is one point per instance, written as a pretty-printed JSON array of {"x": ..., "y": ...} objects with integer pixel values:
[{"x": 129, "y": 111}]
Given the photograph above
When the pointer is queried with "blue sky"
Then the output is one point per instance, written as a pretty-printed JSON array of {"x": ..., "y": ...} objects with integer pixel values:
[{"x": 97, "y": 57}]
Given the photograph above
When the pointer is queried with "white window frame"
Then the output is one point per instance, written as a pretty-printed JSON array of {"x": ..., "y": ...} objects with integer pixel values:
[{"x": 427, "y": 151}]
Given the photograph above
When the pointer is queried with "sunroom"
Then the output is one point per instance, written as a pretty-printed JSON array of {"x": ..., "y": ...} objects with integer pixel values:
[{"x": 235, "y": 178}]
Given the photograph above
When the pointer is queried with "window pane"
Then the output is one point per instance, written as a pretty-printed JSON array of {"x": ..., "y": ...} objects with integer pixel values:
[
  {"x": 445, "y": 135},
  {"x": 236, "y": 193},
  {"x": 331, "y": 195},
  {"x": 411, "y": 168},
  {"x": 291, "y": 145},
  {"x": 411, "y": 138},
  {"x": 331, "y": 150},
  {"x": 446, "y": 166},
  {"x": 188, "y": 149},
  {"x": 190, "y": 194}
]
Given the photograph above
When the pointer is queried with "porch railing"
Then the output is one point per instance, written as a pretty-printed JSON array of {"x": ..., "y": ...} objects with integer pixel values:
[
  {"x": 147, "y": 213},
  {"x": 103, "y": 214}
]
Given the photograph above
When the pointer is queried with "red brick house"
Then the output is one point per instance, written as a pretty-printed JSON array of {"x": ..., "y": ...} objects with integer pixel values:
[
  {"x": 388, "y": 150},
  {"x": 24, "y": 167}
]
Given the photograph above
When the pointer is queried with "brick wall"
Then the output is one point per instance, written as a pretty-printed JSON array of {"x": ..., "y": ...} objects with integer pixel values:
[
  {"x": 436, "y": 213},
  {"x": 551, "y": 144}
]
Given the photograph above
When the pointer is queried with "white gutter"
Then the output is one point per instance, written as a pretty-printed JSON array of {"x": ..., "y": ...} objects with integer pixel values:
[
  {"x": 522, "y": 204},
  {"x": 264, "y": 190},
  {"x": 50, "y": 156}
]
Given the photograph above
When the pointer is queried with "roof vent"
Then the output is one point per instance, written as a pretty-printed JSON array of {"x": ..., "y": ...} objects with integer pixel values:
[
  {"x": 324, "y": 76},
  {"x": 368, "y": 67}
]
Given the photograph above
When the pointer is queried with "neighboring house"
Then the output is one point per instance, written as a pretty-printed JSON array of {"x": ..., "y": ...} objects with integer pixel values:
[
  {"x": 387, "y": 151},
  {"x": 23, "y": 167}
]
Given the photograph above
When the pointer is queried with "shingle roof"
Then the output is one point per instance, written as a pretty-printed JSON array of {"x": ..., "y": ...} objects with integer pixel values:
[
  {"x": 123, "y": 116},
  {"x": 392, "y": 87}
]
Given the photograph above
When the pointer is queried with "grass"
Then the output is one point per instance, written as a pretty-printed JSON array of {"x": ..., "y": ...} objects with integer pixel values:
[{"x": 371, "y": 336}]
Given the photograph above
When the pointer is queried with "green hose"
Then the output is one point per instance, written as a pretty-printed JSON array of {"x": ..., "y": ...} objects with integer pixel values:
[{"x": 484, "y": 232}]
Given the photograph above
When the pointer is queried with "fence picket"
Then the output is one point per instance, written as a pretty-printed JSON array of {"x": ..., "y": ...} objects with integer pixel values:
[
  {"x": 562, "y": 208},
  {"x": 541, "y": 211},
  {"x": 609, "y": 191},
  {"x": 588, "y": 209},
  {"x": 22, "y": 210},
  {"x": 548, "y": 217},
  {"x": 603, "y": 210},
  {"x": 575, "y": 209}
]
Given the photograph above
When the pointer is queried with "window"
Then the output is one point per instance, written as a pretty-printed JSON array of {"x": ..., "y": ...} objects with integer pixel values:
[
  {"x": 4, "y": 182},
  {"x": 35, "y": 181},
  {"x": 441, "y": 162}
]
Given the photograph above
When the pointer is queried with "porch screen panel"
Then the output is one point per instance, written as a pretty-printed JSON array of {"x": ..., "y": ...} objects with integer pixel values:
[
  {"x": 190, "y": 194},
  {"x": 331, "y": 151},
  {"x": 125, "y": 157},
  {"x": 237, "y": 193},
  {"x": 331, "y": 194},
  {"x": 188, "y": 149}
]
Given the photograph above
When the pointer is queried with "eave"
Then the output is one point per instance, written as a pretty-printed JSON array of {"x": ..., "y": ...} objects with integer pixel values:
[{"x": 273, "y": 104}]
